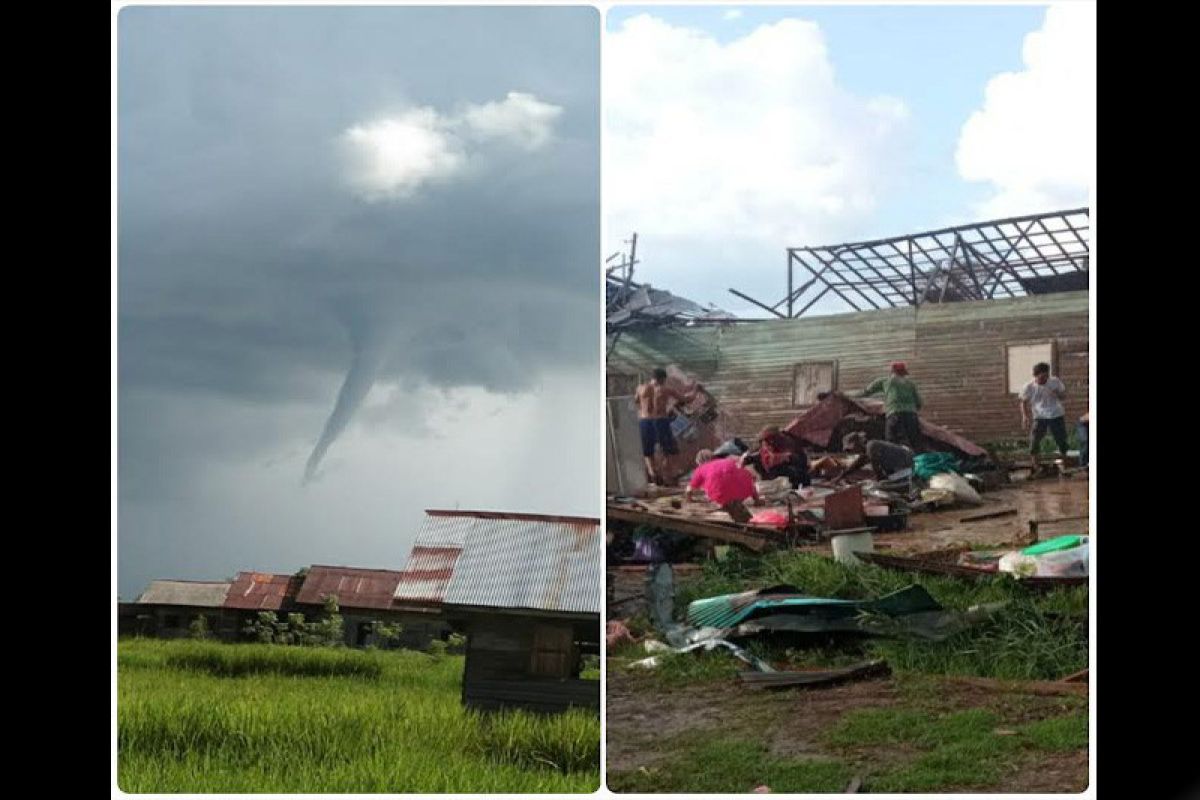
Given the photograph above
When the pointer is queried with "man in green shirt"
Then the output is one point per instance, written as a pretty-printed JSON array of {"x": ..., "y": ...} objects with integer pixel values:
[{"x": 901, "y": 402}]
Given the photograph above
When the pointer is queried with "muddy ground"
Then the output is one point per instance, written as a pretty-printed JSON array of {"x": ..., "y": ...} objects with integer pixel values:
[{"x": 643, "y": 716}]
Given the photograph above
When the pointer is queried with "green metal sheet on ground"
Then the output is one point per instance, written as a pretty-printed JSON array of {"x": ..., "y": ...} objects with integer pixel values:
[{"x": 819, "y": 613}]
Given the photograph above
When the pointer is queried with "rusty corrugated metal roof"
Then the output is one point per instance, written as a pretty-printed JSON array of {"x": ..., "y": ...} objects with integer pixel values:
[
  {"x": 262, "y": 591},
  {"x": 200, "y": 594},
  {"x": 427, "y": 574},
  {"x": 521, "y": 561},
  {"x": 353, "y": 587}
]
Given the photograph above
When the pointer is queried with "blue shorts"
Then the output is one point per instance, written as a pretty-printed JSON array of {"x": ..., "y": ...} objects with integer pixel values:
[{"x": 657, "y": 431}]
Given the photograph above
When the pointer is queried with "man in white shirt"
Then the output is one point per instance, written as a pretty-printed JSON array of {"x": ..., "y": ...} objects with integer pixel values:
[{"x": 1044, "y": 396}]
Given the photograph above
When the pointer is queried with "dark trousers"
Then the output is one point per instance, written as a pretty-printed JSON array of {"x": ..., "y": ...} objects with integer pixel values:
[
  {"x": 795, "y": 470},
  {"x": 1082, "y": 430},
  {"x": 1057, "y": 428},
  {"x": 903, "y": 427}
]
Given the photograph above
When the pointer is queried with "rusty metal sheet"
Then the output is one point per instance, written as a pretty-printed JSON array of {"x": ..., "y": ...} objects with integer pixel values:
[
  {"x": 427, "y": 574},
  {"x": 262, "y": 591},
  {"x": 816, "y": 426},
  {"x": 353, "y": 587},
  {"x": 522, "y": 561}
]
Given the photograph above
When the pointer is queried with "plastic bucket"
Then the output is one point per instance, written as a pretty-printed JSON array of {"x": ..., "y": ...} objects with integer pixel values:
[{"x": 845, "y": 545}]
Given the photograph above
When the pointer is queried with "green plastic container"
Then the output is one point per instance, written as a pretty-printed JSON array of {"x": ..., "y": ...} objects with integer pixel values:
[{"x": 1055, "y": 544}]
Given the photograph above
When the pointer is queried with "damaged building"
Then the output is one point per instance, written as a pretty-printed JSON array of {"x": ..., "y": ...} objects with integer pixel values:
[
  {"x": 525, "y": 589},
  {"x": 970, "y": 310}
]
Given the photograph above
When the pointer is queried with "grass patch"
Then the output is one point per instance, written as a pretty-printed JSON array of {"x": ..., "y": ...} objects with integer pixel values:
[
  {"x": 185, "y": 725},
  {"x": 962, "y": 749},
  {"x": 910, "y": 726},
  {"x": 732, "y": 766},
  {"x": 233, "y": 661},
  {"x": 1059, "y": 733}
]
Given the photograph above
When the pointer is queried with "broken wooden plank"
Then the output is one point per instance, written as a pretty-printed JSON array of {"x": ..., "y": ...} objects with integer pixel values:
[
  {"x": 1003, "y": 512},
  {"x": 844, "y": 509},
  {"x": 750, "y": 539},
  {"x": 1077, "y": 677}
]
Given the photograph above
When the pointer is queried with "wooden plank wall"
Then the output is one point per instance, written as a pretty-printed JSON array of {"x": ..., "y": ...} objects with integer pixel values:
[
  {"x": 955, "y": 352},
  {"x": 497, "y": 670}
]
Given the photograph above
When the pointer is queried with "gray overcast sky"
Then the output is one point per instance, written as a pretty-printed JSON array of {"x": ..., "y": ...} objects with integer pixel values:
[{"x": 361, "y": 244}]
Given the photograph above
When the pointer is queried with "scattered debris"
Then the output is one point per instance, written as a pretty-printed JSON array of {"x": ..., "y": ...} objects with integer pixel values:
[
  {"x": 1077, "y": 677},
  {"x": 934, "y": 566},
  {"x": 1063, "y": 556},
  {"x": 908, "y": 612},
  {"x": 617, "y": 633}
]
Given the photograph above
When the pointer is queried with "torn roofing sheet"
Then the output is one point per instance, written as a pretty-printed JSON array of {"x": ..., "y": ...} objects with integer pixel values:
[{"x": 729, "y": 610}]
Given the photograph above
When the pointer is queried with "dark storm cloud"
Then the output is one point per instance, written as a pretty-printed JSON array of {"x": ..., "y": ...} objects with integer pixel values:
[
  {"x": 252, "y": 276},
  {"x": 249, "y": 270}
]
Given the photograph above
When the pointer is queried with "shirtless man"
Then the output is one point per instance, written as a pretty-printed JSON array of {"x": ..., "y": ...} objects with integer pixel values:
[{"x": 655, "y": 401}]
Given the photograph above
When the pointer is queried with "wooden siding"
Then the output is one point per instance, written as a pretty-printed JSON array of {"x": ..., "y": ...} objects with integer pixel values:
[
  {"x": 956, "y": 352},
  {"x": 501, "y": 659}
]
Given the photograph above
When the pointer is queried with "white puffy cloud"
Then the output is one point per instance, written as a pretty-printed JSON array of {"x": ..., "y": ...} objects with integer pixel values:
[
  {"x": 750, "y": 143},
  {"x": 520, "y": 118},
  {"x": 396, "y": 156},
  {"x": 1034, "y": 139},
  {"x": 393, "y": 157}
]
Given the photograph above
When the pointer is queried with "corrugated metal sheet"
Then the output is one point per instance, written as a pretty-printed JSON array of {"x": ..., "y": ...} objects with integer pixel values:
[
  {"x": 203, "y": 594},
  {"x": 523, "y": 561},
  {"x": 956, "y": 352},
  {"x": 353, "y": 587},
  {"x": 427, "y": 574},
  {"x": 262, "y": 591}
]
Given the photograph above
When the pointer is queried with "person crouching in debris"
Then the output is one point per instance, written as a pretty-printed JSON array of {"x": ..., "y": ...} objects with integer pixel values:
[
  {"x": 655, "y": 401},
  {"x": 884, "y": 457},
  {"x": 1044, "y": 394},
  {"x": 901, "y": 402},
  {"x": 779, "y": 455},
  {"x": 726, "y": 483}
]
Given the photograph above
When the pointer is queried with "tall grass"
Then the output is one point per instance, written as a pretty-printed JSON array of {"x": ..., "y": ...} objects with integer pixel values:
[{"x": 206, "y": 717}]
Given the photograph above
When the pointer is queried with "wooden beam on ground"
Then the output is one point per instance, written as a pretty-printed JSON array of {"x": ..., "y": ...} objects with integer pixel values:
[
  {"x": 1004, "y": 512},
  {"x": 745, "y": 537}
]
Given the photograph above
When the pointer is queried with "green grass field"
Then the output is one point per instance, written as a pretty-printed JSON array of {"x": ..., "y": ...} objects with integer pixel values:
[{"x": 208, "y": 717}]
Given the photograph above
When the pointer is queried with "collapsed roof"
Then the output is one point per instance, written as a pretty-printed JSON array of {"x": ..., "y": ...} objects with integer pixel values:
[
  {"x": 823, "y": 425},
  {"x": 644, "y": 306}
]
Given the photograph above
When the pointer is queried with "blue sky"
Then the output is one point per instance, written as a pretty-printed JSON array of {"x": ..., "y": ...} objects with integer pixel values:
[{"x": 936, "y": 60}]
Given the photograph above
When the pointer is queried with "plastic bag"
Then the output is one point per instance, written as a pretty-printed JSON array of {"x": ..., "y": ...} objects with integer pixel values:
[
  {"x": 776, "y": 489},
  {"x": 1073, "y": 562},
  {"x": 963, "y": 492},
  {"x": 770, "y": 519}
]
